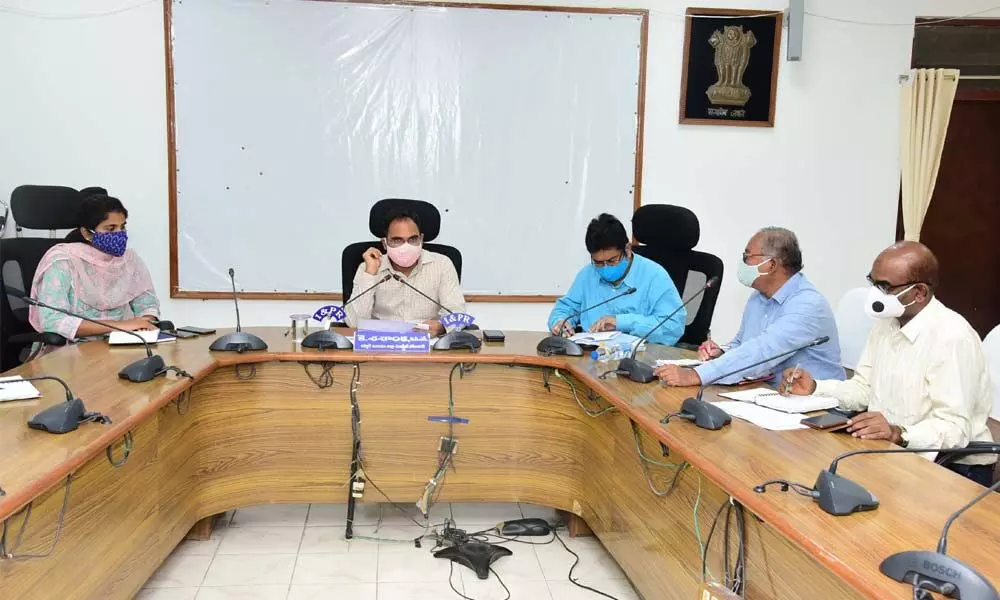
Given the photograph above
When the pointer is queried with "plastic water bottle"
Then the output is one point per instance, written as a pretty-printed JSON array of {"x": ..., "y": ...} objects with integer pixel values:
[{"x": 606, "y": 352}]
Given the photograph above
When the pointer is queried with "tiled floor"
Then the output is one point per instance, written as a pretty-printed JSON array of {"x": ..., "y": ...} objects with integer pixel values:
[{"x": 298, "y": 552}]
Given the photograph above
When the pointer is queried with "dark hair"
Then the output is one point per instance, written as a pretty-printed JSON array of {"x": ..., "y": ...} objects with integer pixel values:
[
  {"x": 781, "y": 244},
  {"x": 604, "y": 232},
  {"x": 400, "y": 214},
  {"x": 92, "y": 212}
]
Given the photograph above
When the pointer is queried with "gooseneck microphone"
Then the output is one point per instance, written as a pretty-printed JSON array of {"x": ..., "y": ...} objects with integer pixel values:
[
  {"x": 639, "y": 371},
  {"x": 237, "y": 341},
  {"x": 64, "y": 416},
  {"x": 937, "y": 572},
  {"x": 454, "y": 340},
  {"x": 327, "y": 339},
  {"x": 139, "y": 371},
  {"x": 558, "y": 345}
]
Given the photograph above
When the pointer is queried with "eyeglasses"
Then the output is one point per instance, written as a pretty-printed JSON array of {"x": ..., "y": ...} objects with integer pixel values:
[
  {"x": 886, "y": 286},
  {"x": 746, "y": 255},
  {"x": 396, "y": 242},
  {"x": 610, "y": 262}
]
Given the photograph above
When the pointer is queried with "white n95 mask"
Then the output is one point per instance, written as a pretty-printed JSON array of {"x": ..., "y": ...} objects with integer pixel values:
[{"x": 881, "y": 305}]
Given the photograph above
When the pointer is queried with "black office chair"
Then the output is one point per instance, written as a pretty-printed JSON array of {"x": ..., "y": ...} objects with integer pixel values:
[
  {"x": 430, "y": 226},
  {"x": 667, "y": 235},
  {"x": 40, "y": 207}
]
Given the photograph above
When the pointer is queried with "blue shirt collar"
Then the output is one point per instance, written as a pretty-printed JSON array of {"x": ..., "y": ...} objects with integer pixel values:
[{"x": 790, "y": 287}]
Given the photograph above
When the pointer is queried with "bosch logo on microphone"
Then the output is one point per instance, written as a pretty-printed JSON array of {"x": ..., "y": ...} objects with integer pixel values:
[{"x": 950, "y": 573}]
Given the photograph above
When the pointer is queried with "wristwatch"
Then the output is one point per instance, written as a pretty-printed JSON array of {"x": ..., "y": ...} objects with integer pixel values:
[{"x": 902, "y": 437}]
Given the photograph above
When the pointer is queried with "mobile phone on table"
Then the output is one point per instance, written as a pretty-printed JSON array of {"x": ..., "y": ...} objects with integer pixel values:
[
  {"x": 493, "y": 335},
  {"x": 196, "y": 330},
  {"x": 826, "y": 422},
  {"x": 184, "y": 335}
]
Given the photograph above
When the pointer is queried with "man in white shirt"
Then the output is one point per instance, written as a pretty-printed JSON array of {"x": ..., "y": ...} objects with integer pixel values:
[
  {"x": 922, "y": 378},
  {"x": 430, "y": 272}
]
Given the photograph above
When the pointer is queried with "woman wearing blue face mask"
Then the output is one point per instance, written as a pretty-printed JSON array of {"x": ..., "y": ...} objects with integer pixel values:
[
  {"x": 96, "y": 275},
  {"x": 613, "y": 269}
]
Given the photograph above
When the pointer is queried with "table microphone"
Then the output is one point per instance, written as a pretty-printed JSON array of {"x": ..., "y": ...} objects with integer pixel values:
[
  {"x": 139, "y": 371},
  {"x": 557, "y": 344},
  {"x": 331, "y": 339},
  {"x": 639, "y": 371},
  {"x": 937, "y": 572},
  {"x": 454, "y": 340},
  {"x": 64, "y": 416},
  {"x": 709, "y": 416},
  {"x": 237, "y": 341}
]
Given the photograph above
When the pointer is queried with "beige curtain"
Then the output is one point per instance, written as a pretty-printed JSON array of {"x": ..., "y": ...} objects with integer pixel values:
[{"x": 926, "y": 108}]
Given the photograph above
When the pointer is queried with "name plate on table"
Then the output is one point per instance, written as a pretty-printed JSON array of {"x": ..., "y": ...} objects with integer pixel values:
[{"x": 392, "y": 341}]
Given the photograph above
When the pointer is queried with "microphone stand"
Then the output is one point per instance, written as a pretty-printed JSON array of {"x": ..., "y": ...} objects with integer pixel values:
[
  {"x": 454, "y": 340},
  {"x": 558, "y": 345},
  {"x": 331, "y": 339},
  {"x": 139, "y": 371},
  {"x": 639, "y": 371},
  {"x": 64, "y": 416},
  {"x": 237, "y": 341}
]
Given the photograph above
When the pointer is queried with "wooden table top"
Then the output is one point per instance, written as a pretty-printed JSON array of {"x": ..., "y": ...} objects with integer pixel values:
[{"x": 916, "y": 496}]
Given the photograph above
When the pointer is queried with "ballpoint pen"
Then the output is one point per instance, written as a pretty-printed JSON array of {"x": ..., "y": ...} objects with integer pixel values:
[{"x": 791, "y": 380}]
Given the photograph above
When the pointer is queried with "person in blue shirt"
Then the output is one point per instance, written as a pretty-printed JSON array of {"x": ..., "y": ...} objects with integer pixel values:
[
  {"x": 784, "y": 311},
  {"x": 613, "y": 269}
]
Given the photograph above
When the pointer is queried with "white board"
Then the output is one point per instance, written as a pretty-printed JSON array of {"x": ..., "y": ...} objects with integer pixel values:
[{"x": 293, "y": 117}]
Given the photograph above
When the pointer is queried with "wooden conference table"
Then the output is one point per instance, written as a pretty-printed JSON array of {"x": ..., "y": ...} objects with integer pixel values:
[{"x": 238, "y": 435}]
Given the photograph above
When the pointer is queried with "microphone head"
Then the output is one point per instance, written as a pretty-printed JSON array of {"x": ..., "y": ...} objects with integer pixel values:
[
  {"x": 232, "y": 272},
  {"x": 629, "y": 291},
  {"x": 821, "y": 340},
  {"x": 711, "y": 283}
]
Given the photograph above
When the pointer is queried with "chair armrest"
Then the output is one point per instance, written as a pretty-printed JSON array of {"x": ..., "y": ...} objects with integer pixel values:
[
  {"x": 945, "y": 457},
  {"x": 48, "y": 338}
]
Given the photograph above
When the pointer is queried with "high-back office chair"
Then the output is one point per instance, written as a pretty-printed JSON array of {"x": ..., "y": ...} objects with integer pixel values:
[
  {"x": 430, "y": 226},
  {"x": 853, "y": 326},
  {"x": 667, "y": 235},
  {"x": 32, "y": 207}
]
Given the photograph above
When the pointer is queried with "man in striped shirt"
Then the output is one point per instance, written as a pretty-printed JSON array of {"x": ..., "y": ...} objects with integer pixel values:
[{"x": 922, "y": 380}]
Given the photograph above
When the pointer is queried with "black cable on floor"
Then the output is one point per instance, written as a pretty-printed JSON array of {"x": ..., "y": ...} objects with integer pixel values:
[
  {"x": 451, "y": 571},
  {"x": 576, "y": 561}
]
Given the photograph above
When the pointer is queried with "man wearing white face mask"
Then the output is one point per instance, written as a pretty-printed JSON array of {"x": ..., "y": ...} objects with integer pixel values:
[
  {"x": 430, "y": 272},
  {"x": 922, "y": 378},
  {"x": 784, "y": 311}
]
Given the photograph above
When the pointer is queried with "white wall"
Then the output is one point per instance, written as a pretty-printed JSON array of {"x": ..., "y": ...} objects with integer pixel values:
[{"x": 82, "y": 103}]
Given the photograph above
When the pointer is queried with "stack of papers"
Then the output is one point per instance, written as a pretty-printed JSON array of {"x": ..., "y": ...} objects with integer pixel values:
[
  {"x": 680, "y": 362},
  {"x": 120, "y": 338},
  {"x": 761, "y": 416},
  {"x": 769, "y": 398},
  {"x": 15, "y": 388},
  {"x": 603, "y": 338}
]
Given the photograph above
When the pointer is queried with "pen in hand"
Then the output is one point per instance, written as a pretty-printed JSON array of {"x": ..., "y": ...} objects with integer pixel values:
[{"x": 787, "y": 384}]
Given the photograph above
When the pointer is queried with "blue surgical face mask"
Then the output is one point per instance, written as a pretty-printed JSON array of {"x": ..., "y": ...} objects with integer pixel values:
[
  {"x": 110, "y": 242},
  {"x": 747, "y": 274},
  {"x": 612, "y": 273}
]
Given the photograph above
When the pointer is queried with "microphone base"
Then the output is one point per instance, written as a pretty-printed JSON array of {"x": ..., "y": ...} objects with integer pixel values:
[
  {"x": 939, "y": 573},
  {"x": 238, "y": 341},
  {"x": 555, "y": 345},
  {"x": 327, "y": 340},
  {"x": 458, "y": 340},
  {"x": 704, "y": 415},
  {"x": 59, "y": 418},
  {"x": 144, "y": 370},
  {"x": 840, "y": 496},
  {"x": 637, "y": 371}
]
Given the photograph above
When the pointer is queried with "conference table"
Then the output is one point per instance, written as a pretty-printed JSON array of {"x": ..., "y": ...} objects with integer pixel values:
[{"x": 107, "y": 503}]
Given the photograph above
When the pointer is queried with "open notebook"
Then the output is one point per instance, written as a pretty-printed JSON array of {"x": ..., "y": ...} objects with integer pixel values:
[
  {"x": 15, "y": 388},
  {"x": 790, "y": 404}
]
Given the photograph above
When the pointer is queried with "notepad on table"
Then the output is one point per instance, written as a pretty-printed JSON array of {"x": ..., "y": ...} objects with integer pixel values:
[
  {"x": 762, "y": 416},
  {"x": 790, "y": 404},
  {"x": 15, "y": 388},
  {"x": 120, "y": 338}
]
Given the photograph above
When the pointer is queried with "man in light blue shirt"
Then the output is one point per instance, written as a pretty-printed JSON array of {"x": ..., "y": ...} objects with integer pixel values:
[
  {"x": 784, "y": 311},
  {"x": 615, "y": 268}
]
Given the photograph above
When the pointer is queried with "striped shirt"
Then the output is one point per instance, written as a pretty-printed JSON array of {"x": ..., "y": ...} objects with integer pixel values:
[
  {"x": 929, "y": 376},
  {"x": 433, "y": 275}
]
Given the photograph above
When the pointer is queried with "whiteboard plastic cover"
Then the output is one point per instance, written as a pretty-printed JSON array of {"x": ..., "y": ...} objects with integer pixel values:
[{"x": 293, "y": 117}]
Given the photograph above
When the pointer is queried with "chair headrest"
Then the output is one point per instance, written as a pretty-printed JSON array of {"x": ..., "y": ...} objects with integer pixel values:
[
  {"x": 666, "y": 226},
  {"x": 430, "y": 218},
  {"x": 45, "y": 206}
]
